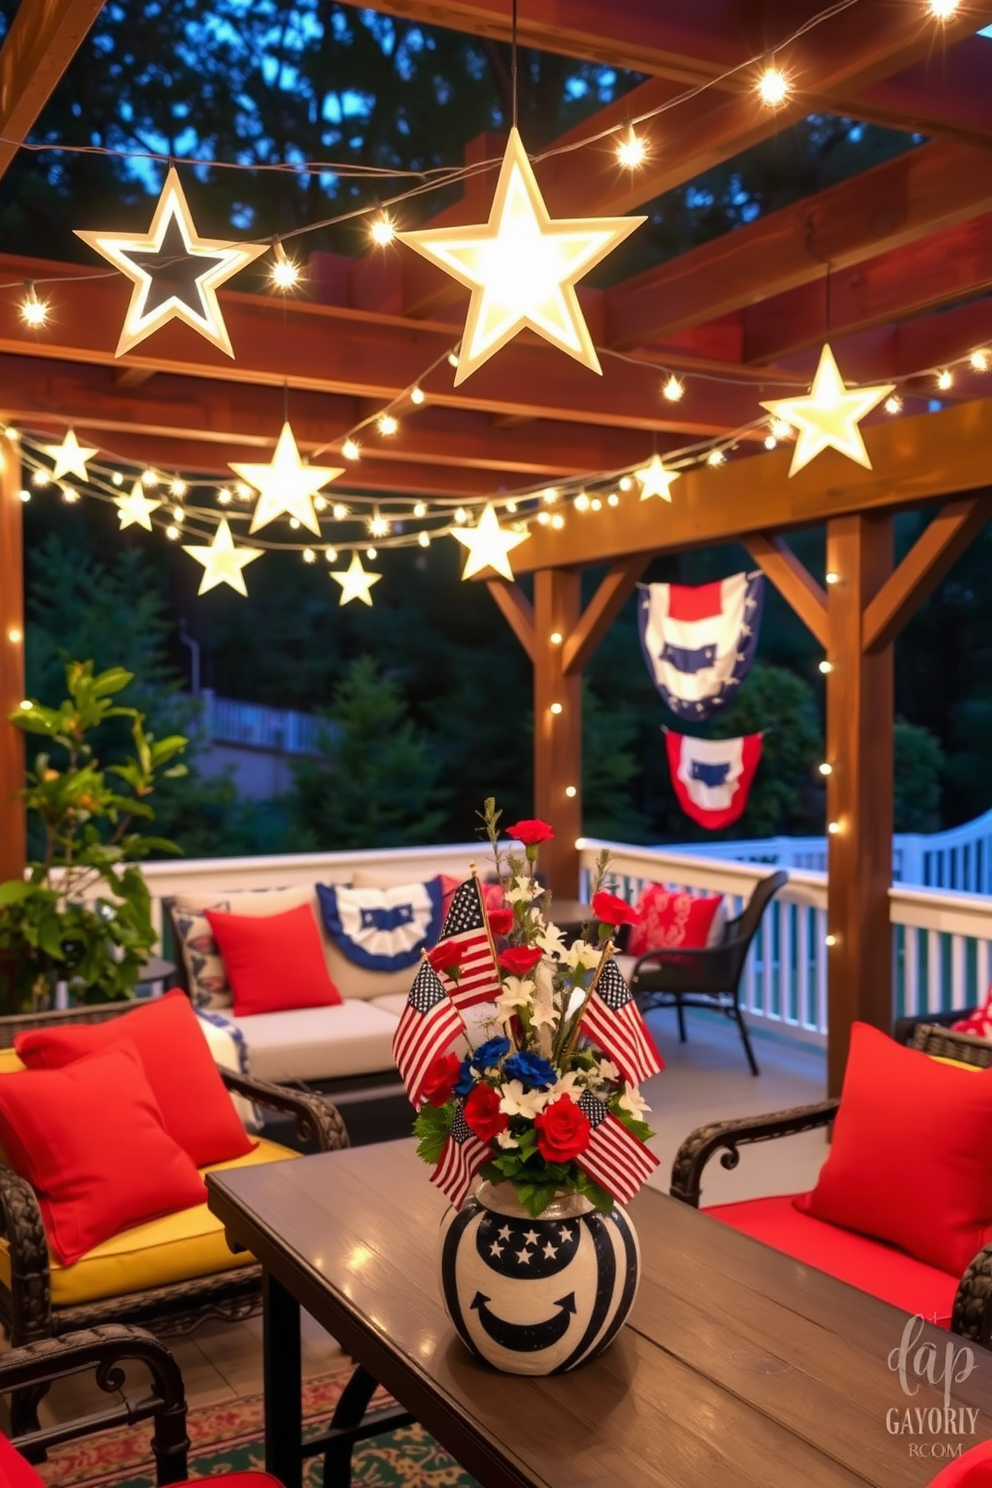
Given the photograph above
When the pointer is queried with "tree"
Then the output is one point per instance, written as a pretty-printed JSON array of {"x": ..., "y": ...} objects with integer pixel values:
[
  {"x": 609, "y": 769},
  {"x": 919, "y": 764},
  {"x": 376, "y": 782}
]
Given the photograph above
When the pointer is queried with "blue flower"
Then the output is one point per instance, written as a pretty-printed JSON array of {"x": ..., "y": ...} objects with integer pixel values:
[
  {"x": 490, "y": 1053},
  {"x": 465, "y": 1080},
  {"x": 531, "y": 1071}
]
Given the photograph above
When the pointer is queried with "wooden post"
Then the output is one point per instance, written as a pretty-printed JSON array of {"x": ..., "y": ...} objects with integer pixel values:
[
  {"x": 859, "y": 788},
  {"x": 557, "y": 727},
  {"x": 13, "y": 836}
]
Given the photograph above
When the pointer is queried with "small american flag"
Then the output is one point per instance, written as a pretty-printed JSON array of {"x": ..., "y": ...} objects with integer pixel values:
[
  {"x": 462, "y": 1157},
  {"x": 615, "y": 1159},
  {"x": 465, "y": 927},
  {"x": 429, "y": 1025},
  {"x": 613, "y": 1021}
]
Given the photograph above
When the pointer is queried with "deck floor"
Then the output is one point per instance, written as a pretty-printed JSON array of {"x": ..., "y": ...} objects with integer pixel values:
[{"x": 706, "y": 1079}]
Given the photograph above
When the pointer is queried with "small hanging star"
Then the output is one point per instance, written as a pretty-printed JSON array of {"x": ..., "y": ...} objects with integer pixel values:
[
  {"x": 655, "y": 480},
  {"x": 136, "y": 509},
  {"x": 829, "y": 417},
  {"x": 488, "y": 544},
  {"x": 287, "y": 486},
  {"x": 70, "y": 457},
  {"x": 175, "y": 272},
  {"x": 222, "y": 561},
  {"x": 355, "y": 581}
]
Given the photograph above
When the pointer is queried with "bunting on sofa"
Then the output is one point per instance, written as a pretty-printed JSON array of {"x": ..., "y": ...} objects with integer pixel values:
[
  {"x": 699, "y": 640},
  {"x": 712, "y": 777},
  {"x": 383, "y": 929}
]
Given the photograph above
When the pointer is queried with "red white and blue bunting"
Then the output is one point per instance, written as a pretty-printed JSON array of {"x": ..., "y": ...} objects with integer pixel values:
[
  {"x": 699, "y": 640},
  {"x": 712, "y": 777}
]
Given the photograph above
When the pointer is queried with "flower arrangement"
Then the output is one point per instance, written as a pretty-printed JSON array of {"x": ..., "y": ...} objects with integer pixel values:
[{"x": 547, "y": 1099}]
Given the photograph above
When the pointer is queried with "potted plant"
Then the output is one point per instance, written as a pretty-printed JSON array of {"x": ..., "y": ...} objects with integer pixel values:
[{"x": 81, "y": 915}]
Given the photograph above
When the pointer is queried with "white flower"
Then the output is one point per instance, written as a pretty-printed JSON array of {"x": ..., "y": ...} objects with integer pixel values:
[
  {"x": 506, "y": 1139},
  {"x": 516, "y": 993},
  {"x": 551, "y": 940},
  {"x": 581, "y": 955},
  {"x": 606, "y": 1071},
  {"x": 523, "y": 890},
  {"x": 570, "y": 1085},
  {"x": 542, "y": 1011},
  {"x": 516, "y": 1101},
  {"x": 632, "y": 1101}
]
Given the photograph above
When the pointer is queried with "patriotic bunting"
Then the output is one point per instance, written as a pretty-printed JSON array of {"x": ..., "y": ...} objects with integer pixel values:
[
  {"x": 461, "y": 1159},
  {"x": 612, "y": 1020},
  {"x": 712, "y": 777},
  {"x": 699, "y": 641},
  {"x": 615, "y": 1159},
  {"x": 465, "y": 928},
  {"x": 429, "y": 1026}
]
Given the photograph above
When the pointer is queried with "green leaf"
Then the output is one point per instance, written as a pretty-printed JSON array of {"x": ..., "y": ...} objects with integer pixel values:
[
  {"x": 15, "y": 891},
  {"x": 598, "y": 1197},
  {"x": 632, "y": 1123},
  {"x": 431, "y": 1129}
]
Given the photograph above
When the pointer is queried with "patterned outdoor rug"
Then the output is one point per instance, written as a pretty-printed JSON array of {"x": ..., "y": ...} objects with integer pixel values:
[{"x": 228, "y": 1438}]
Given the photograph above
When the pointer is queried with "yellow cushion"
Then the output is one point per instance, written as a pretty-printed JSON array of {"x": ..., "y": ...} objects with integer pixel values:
[
  {"x": 958, "y": 1064},
  {"x": 10, "y": 1062},
  {"x": 156, "y": 1253}
]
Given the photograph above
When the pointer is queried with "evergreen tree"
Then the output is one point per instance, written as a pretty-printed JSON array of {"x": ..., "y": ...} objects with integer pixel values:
[{"x": 919, "y": 763}]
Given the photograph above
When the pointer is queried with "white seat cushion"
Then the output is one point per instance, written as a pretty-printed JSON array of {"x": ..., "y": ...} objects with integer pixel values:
[
  {"x": 393, "y": 1002},
  {"x": 322, "y": 1043}
]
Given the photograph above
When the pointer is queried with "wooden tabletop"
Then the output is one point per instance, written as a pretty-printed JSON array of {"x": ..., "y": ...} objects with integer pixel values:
[{"x": 738, "y": 1368}]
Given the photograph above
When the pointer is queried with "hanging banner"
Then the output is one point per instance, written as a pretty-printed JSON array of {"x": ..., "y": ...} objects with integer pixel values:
[
  {"x": 699, "y": 640},
  {"x": 712, "y": 777}
]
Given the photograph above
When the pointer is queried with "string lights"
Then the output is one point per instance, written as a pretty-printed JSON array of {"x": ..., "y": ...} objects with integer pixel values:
[
  {"x": 33, "y": 311},
  {"x": 773, "y": 87}
]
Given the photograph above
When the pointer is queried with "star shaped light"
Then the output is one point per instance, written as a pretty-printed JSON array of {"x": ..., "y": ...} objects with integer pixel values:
[
  {"x": 287, "y": 486},
  {"x": 222, "y": 561},
  {"x": 70, "y": 456},
  {"x": 522, "y": 266},
  {"x": 355, "y": 581},
  {"x": 488, "y": 544},
  {"x": 175, "y": 272},
  {"x": 829, "y": 417},
  {"x": 136, "y": 509},
  {"x": 655, "y": 480}
]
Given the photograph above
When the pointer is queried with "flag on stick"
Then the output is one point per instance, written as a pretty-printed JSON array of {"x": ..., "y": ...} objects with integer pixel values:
[
  {"x": 615, "y": 1159},
  {"x": 613, "y": 1021},
  {"x": 467, "y": 929},
  {"x": 429, "y": 1025},
  {"x": 461, "y": 1158}
]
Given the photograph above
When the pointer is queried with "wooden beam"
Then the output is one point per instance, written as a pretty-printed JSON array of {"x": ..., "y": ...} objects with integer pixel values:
[
  {"x": 600, "y": 613},
  {"x": 13, "y": 835},
  {"x": 132, "y": 377},
  {"x": 947, "y": 94},
  {"x": 915, "y": 460},
  {"x": 517, "y": 611},
  {"x": 897, "y": 203},
  {"x": 793, "y": 581},
  {"x": 557, "y": 729},
  {"x": 860, "y": 701},
  {"x": 44, "y": 37},
  {"x": 929, "y": 559}
]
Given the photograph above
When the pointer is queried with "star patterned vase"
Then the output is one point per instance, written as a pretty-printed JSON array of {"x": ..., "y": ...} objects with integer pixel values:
[{"x": 537, "y": 1296}]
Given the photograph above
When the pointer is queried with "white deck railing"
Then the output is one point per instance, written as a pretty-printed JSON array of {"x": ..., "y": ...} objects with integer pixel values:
[
  {"x": 276, "y": 730},
  {"x": 942, "y": 942}
]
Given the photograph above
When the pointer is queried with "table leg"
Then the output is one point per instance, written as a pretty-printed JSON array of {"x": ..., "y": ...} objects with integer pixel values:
[{"x": 282, "y": 1373}]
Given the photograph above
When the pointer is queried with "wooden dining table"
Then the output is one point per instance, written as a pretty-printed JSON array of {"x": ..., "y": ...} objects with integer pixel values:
[{"x": 738, "y": 1367}]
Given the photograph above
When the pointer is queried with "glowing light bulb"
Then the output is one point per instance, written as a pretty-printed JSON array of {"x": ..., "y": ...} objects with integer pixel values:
[
  {"x": 979, "y": 361},
  {"x": 833, "y": 828},
  {"x": 172, "y": 533},
  {"x": 582, "y": 502},
  {"x": 242, "y": 491},
  {"x": 350, "y": 450},
  {"x": 825, "y": 667},
  {"x": 613, "y": 499},
  {"x": 461, "y": 515},
  {"x": 945, "y": 380},
  {"x": 320, "y": 503},
  {"x": 832, "y": 578},
  {"x": 294, "y": 522},
  {"x": 177, "y": 488},
  {"x": 543, "y": 518},
  {"x": 331, "y": 554},
  {"x": 40, "y": 479},
  {"x": 378, "y": 526},
  {"x": 631, "y": 150},
  {"x": 773, "y": 87},
  {"x": 556, "y": 708},
  {"x": 571, "y": 791},
  {"x": 225, "y": 498},
  {"x": 893, "y": 404},
  {"x": 596, "y": 504},
  {"x": 339, "y": 511},
  {"x": 716, "y": 457},
  {"x": 673, "y": 389},
  {"x": 69, "y": 496},
  {"x": 25, "y": 706},
  {"x": 826, "y": 769},
  {"x": 625, "y": 483},
  {"x": 309, "y": 556},
  {"x": 556, "y": 638},
  {"x": 371, "y": 554},
  {"x": 417, "y": 395},
  {"x": 382, "y": 231},
  {"x": 781, "y": 429},
  {"x": 550, "y": 495},
  {"x": 771, "y": 442},
  {"x": 14, "y": 636},
  {"x": 420, "y": 510},
  {"x": 511, "y": 506},
  {"x": 34, "y": 312},
  {"x": 178, "y": 515},
  {"x": 424, "y": 539},
  {"x": 942, "y": 10},
  {"x": 117, "y": 478},
  {"x": 24, "y": 496},
  {"x": 149, "y": 478},
  {"x": 284, "y": 273},
  {"x": 558, "y": 521},
  {"x": 830, "y": 940},
  {"x": 387, "y": 424},
  {"x": 452, "y": 359}
]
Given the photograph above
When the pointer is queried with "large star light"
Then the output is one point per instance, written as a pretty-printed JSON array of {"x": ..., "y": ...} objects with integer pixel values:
[
  {"x": 488, "y": 544},
  {"x": 355, "y": 581},
  {"x": 222, "y": 561},
  {"x": 136, "y": 509},
  {"x": 829, "y": 416},
  {"x": 522, "y": 266},
  {"x": 175, "y": 272},
  {"x": 655, "y": 480},
  {"x": 70, "y": 456},
  {"x": 287, "y": 486}
]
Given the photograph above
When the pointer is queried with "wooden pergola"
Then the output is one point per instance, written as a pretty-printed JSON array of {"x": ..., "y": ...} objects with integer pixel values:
[{"x": 909, "y": 246}]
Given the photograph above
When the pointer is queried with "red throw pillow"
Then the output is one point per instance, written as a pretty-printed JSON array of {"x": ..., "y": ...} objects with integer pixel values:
[
  {"x": 89, "y": 1139},
  {"x": 492, "y": 893},
  {"x": 196, "y": 1108},
  {"x": 273, "y": 962},
  {"x": 668, "y": 919},
  {"x": 14, "y": 1471},
  {"x": 909, "y": 1161}
]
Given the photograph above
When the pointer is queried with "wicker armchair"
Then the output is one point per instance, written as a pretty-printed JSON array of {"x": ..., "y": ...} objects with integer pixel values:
[
  {"x": 972, "y": 1315},
  {"x": 27, "y": 1311},
  {"x": 709, "y": 978}
]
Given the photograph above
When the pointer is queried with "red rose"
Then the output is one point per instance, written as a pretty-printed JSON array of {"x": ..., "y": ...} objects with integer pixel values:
[
  {"x": 500, "y": 921},
  {"x": 446, "y": 957},
  {"x": 482, "y": 1112},
  {"x": 519, "y": 960},
  {"x": 439, "y": 1082},
  {"x": 562, "y": 1130},
  {"x": 613, "y": 911},
  {"x": 530, "y": 833}
]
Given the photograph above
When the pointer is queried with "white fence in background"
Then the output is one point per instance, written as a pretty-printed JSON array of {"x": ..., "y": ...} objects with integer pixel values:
[
  {"x": 942, "y": 940},
  {"x": 276, "y": 730},
  {"x": 960, "y": 858}
]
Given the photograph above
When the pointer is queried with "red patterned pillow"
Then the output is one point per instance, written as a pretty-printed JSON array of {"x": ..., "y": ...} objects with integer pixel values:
[
  {"x": 979, "y": 1022},
  {"x": 672, "y": 919}
]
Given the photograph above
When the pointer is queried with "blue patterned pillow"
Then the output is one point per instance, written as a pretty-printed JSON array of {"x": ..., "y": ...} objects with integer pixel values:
[
  {"x": 383, "y": 929},
  {"x": 206, "y": 977}
]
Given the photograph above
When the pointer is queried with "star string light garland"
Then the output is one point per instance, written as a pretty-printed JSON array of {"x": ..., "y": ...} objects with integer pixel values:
[
  {"x": 828, "y": 418},
  {"x": 488, "y": 544},
  {"x": 70, "y": 457},
  {"x": 223, "y": 563},
  {"x": 136, "y": 508},
  {"x": 355, "y": 581},
  {"x": 286, "y": 485},
  {"x": 655, "y": 480}
]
